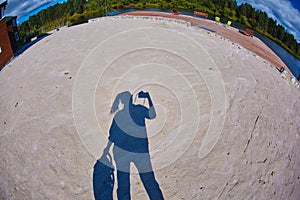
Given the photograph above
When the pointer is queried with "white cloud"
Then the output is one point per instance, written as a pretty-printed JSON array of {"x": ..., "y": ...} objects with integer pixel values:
[
  {"x": 22, "y": 7},
  {"x": 280, "y": 10}
]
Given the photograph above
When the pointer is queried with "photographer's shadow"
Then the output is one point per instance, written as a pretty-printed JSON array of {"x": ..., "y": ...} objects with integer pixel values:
[{"x": 129, "y": 135}]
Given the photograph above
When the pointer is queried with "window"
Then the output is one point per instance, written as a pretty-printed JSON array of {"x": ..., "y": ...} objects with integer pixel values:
[
  {"x": 14, "y": 23},
  {"x": 17, "y": 36},
  {"x": 1, "y": 12}
]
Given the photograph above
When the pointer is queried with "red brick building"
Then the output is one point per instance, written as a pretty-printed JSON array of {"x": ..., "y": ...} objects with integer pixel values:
[{"x": 9, "y": 36}]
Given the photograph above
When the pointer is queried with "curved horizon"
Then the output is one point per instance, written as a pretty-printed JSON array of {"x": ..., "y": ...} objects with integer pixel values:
[{"x": 285, "y": 12}]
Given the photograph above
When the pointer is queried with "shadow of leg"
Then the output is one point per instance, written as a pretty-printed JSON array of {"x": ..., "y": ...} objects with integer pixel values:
[
  {"x": 123, "y": 190},
  {"x": 151, "y": 186}
]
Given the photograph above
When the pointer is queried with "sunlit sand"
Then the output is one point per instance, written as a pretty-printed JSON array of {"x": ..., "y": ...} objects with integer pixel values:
[{"x": 227, "y": 123}]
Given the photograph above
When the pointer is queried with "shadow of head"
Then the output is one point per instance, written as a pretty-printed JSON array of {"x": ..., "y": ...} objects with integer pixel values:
[{"x": 125, "y": 98}]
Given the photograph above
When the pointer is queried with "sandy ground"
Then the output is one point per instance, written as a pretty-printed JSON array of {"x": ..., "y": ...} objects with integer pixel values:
[
  {"x": 251, "y": 43},
  {"x": 227, "y": 124}
]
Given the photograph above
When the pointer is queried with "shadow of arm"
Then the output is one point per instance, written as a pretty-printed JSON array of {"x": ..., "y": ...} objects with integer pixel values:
[{"x": 152, "y": 112}]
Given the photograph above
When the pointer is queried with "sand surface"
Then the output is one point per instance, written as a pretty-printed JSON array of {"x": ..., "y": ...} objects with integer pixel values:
[
  {"x": 227, "y": 123},
  {"x": 251, "y": 43}
]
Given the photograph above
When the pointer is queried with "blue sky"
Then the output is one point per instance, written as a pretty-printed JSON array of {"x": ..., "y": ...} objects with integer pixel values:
[
  {"x": 285, "y": 12},
  {"x": 25, "y": 8}
]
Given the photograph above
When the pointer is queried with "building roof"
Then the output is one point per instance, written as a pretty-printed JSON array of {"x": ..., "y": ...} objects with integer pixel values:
[
  {"x": 9, "y": 18},
  {"x": 3, "y": 4}
]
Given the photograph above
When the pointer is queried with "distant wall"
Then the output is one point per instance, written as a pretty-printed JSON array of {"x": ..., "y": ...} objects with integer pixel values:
[{"x": 6, "y": 52}]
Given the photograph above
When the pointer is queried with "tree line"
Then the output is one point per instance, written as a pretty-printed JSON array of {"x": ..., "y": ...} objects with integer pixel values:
[{"x": 75, "y": 12}]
